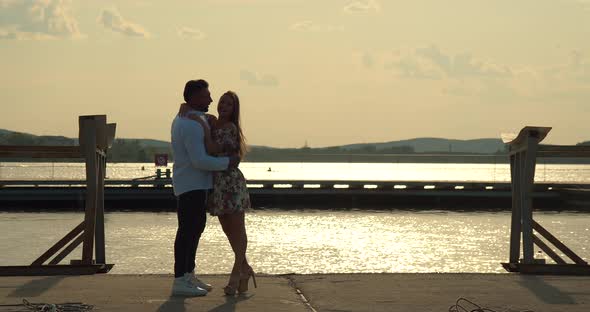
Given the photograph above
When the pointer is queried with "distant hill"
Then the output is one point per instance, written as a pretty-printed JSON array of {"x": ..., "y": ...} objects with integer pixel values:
[
  {"x": 18, "y": 138},
  {"x": 123, "y": 150},
  {"x": 153, "y": 143},
  {"x": 426, "y": 145},
  {"x": 143, "y": 150},
  {"x": 8, "y": 137}
]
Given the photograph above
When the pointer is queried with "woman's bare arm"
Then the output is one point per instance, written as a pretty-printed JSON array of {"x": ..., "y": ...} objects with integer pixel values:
[{"x": 212, "y": 147}]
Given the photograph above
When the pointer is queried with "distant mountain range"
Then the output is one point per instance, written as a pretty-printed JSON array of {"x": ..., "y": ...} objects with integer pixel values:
[
  {"x": 141, "y": 150},
  {"x": 425, "y": 145}
]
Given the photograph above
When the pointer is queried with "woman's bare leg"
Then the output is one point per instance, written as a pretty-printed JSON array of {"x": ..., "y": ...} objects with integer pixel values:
[{"x": 234, "y": 227}]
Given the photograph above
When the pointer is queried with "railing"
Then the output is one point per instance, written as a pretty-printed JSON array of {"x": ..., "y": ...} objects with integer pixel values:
[
  {"x": 524, "y": 151},
  {"x": 95, "y": 137}
]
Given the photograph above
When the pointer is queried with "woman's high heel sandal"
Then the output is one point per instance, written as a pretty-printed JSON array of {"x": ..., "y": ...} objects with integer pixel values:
[
  {"x": 229, "y": 290},
  {"x": 243, "y": 287},
  {"x": 232, "y": 288}
]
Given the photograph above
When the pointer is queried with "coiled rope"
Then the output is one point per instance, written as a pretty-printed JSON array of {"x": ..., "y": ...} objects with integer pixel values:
[
  {"x": 27, "y": 306},
  {"x": 464, "y": 305}
]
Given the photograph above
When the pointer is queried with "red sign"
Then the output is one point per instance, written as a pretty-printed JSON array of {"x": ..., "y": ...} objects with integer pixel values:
[{"x": 161, "y": 160}]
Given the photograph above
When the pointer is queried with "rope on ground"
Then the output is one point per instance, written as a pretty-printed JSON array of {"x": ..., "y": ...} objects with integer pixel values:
[
  {"x": 464, "y": 305},
  {"x": 26, "y": 306}
]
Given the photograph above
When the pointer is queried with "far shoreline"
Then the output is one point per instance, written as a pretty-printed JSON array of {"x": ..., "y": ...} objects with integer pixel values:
[{"x": 425, "y": 158}]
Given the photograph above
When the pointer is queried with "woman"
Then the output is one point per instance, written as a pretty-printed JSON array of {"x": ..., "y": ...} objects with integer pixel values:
[{"x": 229, "y": 198}]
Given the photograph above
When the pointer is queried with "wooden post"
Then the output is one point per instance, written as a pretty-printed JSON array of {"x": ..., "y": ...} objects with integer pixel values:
[
  {"x": 67, "y": 250},
  {"x": 89, "y": 148},
  {"x": 59, "y": 245},
  {"x": 95, "y": 137},
  {"x": 529, "y": 163},
  {"x": 557, "y": 243},
  {"x": 106, "y": 136},
  {"x": 99, "y": 231},
  {"x": 521, "y": 201},
  {"x": 548, "y": 250},
  {"x": 515, "y": 228},
  {"x": 524, "y": 150}
]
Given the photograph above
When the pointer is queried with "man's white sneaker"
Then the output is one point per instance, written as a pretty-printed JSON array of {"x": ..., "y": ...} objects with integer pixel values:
[
  {"x": 183, "y": 287},
  {"x": 197, "y": 282}
]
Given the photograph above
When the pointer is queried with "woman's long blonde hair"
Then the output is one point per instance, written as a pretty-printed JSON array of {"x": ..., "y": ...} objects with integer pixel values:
[{"x": 235, "y": 119}]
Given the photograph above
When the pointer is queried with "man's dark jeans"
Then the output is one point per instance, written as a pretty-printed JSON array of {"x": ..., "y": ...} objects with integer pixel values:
[{"x": 191, "y": 223}]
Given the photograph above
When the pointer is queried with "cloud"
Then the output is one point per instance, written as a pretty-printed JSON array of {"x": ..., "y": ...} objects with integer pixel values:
[
  {"x": 368, "y": 60},
  {"x": 409, "y": 66},
  {"x": 37, "y": 20},
  {"x": 568, "y": 82},
  {"x": 463, "y": 65},
  {"x": 574, "y": 71},
  {"x": 467, "y": 76},
  {"x": 579, "y": 67},
  {"x": 458, "y": 90},
  {"x": 111, "y": 18},
  {"x": 585, "y": 4},
  {"x": 309, "y": 26},
  {"x": 433, "y": 54},
  {"x": 190, "y": 33},
  {"x": 431, "y": 63},
  {"x": 362, "y": 7},
  {"x": 256, "y": 79}
]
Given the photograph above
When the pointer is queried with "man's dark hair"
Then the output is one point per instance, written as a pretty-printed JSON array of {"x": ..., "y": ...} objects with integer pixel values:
[{"x": 192, "y": 87}]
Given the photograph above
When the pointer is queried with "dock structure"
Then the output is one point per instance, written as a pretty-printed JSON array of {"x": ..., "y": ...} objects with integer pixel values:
[
  {"x": 524, "y": 151},
  {"x": 95, "y": 137},
  {"x": 157, "y": 194}
]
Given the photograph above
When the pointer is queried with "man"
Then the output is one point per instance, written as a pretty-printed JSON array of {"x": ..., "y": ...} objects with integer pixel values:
[{"x": 191, "y": 180}]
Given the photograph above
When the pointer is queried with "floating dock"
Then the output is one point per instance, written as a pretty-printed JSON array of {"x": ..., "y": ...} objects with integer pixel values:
[{"x": 156, "y": 194}]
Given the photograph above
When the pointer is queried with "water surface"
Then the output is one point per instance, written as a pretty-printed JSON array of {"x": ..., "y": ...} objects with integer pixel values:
[{"x": 304, "y": 241}]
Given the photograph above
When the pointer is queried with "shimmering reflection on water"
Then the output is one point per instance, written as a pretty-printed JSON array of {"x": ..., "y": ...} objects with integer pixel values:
[
  {"x": 391, "y": 171},
  {"x": 305, "y": 241}
]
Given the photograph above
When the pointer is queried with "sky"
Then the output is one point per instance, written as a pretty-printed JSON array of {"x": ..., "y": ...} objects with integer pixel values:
[{"x": 325, "y": 72}]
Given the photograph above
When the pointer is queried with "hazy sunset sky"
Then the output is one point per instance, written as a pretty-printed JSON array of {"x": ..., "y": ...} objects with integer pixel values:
[{"x": 326, "y": 71}]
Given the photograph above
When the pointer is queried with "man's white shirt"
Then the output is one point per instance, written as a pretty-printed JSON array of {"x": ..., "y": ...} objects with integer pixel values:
[{"x": 192, "y": 166}]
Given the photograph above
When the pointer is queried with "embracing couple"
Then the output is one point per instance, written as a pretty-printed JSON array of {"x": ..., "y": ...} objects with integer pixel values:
[{"x": 207, "y": 151}]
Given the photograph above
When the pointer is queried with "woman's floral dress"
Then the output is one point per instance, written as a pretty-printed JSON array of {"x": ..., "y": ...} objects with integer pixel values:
[{"x": 230, "y": 193}]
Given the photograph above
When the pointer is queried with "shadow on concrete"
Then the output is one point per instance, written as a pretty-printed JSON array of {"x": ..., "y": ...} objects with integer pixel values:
[
  {"x": 544, "y": 291},
  {"x": 36, "y": 287},
  {"x": 230, "y": 303},
  {"x": 173, "y": 304}
]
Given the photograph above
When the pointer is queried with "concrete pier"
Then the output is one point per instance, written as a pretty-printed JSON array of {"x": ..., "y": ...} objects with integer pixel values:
[{"x": 323, "y": 292}]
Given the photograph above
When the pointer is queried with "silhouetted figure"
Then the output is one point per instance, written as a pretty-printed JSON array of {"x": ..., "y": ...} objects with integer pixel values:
[
  {"x": 192, "y": 180},
  {"x": 229, "y": 198}
]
